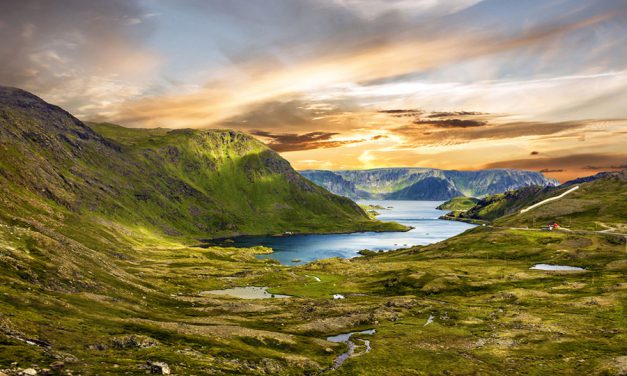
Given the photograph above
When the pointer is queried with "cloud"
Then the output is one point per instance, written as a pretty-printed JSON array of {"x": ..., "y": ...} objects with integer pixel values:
[
  {"x": 566, "y": 167},
  {"x": 386, "y": 48},
  {"x": 295, "y": 142},
  {"x": 293, "y": 115},
  {"x": 360, "y": 81},
  {"x": 65, "y": 49},
  {"x": 373, "y": 8},
  {"x": 472, "y": 130},
  {"x": 454, "y": 113},
  {"x": 452, "y": 123},
  {"x": 402, "y": 113},
  {"x": 606, "y": 167},
  {"x": 548, "y": 170}
]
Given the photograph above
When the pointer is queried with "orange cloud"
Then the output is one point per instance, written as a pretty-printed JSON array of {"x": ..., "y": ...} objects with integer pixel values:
[
  {"x": 568, "y": 167},
  {"x": 293, "y": 142}
]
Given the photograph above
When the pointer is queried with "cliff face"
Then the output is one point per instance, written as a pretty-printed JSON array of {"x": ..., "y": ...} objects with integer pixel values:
[{"x": 429, "y": 188}]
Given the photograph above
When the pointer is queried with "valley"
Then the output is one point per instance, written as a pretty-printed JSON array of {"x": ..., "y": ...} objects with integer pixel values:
[{"x": 102, "y": 272}]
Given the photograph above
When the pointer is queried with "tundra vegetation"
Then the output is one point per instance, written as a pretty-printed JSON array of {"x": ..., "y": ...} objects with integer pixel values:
[{"x": 101, "y": 273}]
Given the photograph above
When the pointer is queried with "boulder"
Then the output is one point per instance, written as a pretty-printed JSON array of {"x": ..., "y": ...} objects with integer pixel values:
[
  {"x": 159, "y": 368},
  {"x": 58, "y": 365}
]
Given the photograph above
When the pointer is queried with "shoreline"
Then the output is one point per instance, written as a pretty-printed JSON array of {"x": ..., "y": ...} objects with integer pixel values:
[
  {"x": 206, "y": 241},
  {"x": 471, "y": 221}
]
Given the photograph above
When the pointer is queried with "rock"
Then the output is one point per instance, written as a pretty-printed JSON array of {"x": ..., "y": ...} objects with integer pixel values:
[
  {"x": 133, "y": 341},
  {"x": 159, "y": 368},
  {"x": 57, "y": 366},
  {"x": 29, "y": 372}
]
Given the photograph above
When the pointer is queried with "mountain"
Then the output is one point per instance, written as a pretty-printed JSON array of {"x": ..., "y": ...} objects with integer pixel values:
[
  {"x": 336, "y": 184},
  {"x": 407, "y": 183},
  {"x": 597, "y": 202},
  {"x": 495, "y": 206},
  {"x": 205, "y": 183},
  {"x": 429, "y": 188}
]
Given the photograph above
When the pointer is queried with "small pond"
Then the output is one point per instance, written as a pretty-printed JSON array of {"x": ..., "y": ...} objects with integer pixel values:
[
  {"x": 249, "y": 292},
  {"x": 555, "y": 267}
]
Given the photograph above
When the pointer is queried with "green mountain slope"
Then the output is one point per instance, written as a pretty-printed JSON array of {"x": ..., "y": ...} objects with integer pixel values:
[
  {"x": 460, "y": 203},
  {"x": 192, "y": 182},
  {"x": 424, "y": 183},
  {"x": 600, "y": 203}
]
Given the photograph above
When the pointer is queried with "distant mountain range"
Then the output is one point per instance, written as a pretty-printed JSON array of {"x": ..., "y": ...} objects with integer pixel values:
[{"x": 424, "y": 183}]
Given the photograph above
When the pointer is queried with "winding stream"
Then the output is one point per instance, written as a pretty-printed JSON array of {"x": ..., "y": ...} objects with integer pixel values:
[{"x": 346, "y": 338}]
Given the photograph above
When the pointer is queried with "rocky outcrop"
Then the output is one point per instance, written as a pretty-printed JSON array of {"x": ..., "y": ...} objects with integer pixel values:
[{"x": 159, "y": 368}]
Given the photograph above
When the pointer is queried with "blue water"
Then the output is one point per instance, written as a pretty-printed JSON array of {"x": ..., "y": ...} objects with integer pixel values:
[{"x": 421, "y": 215}]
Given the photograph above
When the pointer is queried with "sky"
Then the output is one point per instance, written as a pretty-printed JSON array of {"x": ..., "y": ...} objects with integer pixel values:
[{"x": 344, "y": 84}]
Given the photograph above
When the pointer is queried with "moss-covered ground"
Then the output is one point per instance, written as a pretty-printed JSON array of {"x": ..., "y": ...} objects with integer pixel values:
[{"x": 491, "y": 313}]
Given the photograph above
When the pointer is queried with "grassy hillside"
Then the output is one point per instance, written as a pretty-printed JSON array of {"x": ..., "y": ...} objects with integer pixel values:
[
  {"x": 496, "y": 206},
  {"x": 600, "y": 203},
  {"x": 180, "y": 182},
  {"x": 460, "y": 203}
]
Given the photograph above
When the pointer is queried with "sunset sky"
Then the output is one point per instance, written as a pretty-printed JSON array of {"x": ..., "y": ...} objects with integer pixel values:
[{"x": 343, "y": 84}]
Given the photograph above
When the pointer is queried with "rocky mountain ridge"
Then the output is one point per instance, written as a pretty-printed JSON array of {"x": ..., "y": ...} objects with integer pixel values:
[{"x": 424, "y": 183}]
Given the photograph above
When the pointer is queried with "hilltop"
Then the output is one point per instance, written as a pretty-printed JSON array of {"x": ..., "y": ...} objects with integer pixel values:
[{"x": 424, "y": 183}]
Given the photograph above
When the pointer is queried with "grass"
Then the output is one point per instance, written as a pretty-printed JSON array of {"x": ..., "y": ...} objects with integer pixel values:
[
  {"x": 492, "y": 314},
  {"x": 461, "y": 203},
  {"x": 180, "y": 183},
  {"x": 83, "y": 271}
]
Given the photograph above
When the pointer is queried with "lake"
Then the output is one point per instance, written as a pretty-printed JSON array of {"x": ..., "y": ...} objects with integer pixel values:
[{"x": 421, "y": 215}]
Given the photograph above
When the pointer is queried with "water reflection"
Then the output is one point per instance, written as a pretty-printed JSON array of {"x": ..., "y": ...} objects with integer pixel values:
[{"x": 421, "y": 215}]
